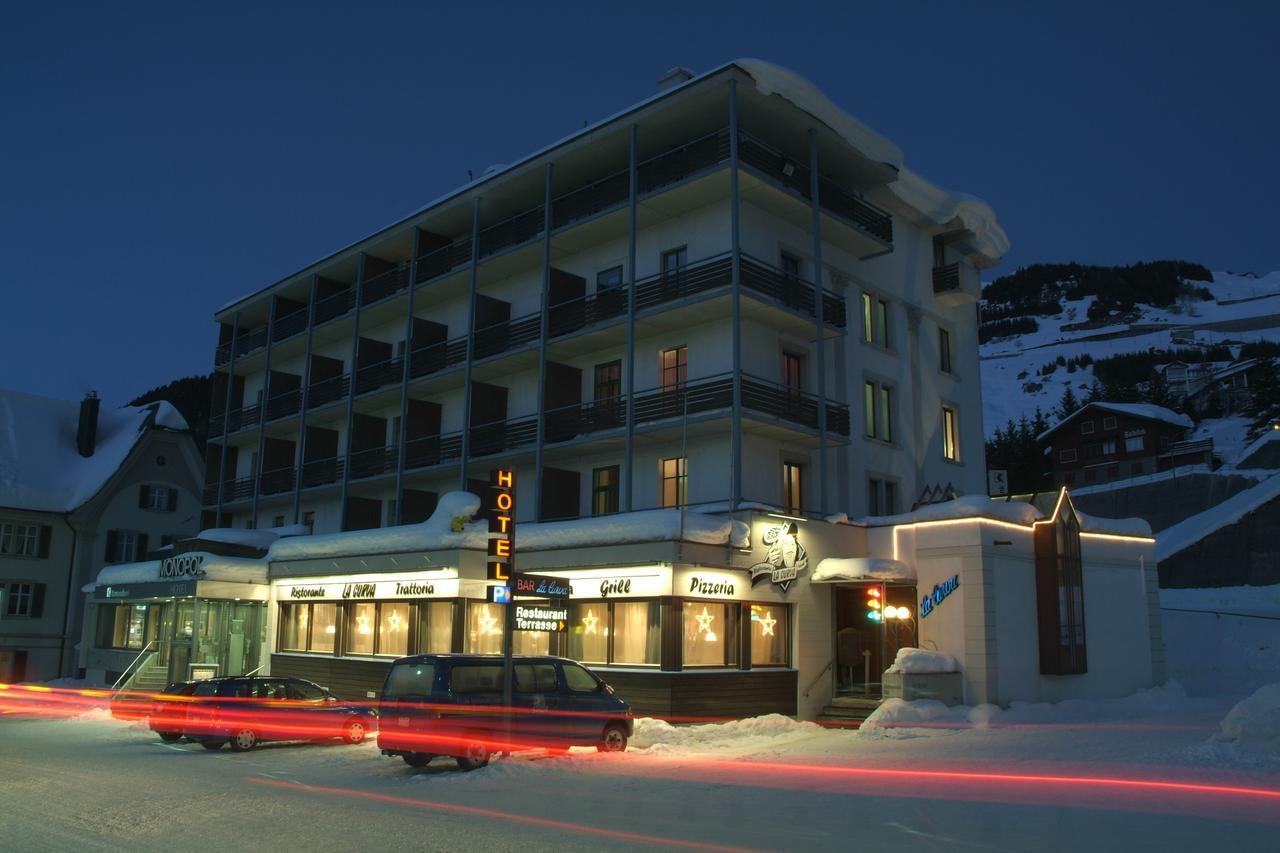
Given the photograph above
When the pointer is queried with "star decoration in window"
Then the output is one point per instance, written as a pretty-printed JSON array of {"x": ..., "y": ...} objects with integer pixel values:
[
  {"x": 704, "y": 621},
  {"x": 488, "y": 623},
  {"x": 589, "y": 622},
  {"x": 394, "y": 621},
  {"x": 766, "y": 624},
  {"x": 364, "y": 624}
]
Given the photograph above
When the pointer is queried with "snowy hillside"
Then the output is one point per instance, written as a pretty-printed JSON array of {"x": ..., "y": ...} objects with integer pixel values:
[{"x": 1244, "y": 308}]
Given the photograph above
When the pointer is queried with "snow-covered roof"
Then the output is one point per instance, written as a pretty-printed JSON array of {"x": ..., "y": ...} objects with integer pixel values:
[
  {"x": 968, "y": 506},
  {"x": 40, "y": 467},
  {"x": 262, "y": 538},
  {"x": 212, "y": 568},
  {"x": 1137, "y": 410},
  {"x": 938, "y": 205},
  {"x": 860, "y": 568},
  {"x": 438, "y": 533},
  {"x": 1191, "y": 530},
  {"x": 1120, "y": 526}
]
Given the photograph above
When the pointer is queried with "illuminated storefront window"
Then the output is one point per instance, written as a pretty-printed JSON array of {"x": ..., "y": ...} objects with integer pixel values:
[
  {"x": 370, "y": 628},
  {"x": 484, "y": 628},
  {"x": 621, "y": 632},
  {"x": 322, "y": 627},
  {"x": 362, "y": 618},
  {"x": 768, "y": 635},
  {"x": 709, "y": 638},
  {"x": 435, "y": 627}
]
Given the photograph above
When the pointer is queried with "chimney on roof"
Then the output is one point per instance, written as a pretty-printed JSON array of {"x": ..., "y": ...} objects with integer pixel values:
[
  {"x": 674, "y": 78},
  {"x": 87, "y": 431}
]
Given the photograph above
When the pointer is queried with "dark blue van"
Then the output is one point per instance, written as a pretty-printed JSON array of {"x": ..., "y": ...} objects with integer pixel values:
[{"x": 451, "y": 705}]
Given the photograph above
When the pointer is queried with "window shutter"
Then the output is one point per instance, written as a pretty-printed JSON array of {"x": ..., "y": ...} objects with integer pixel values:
[
  {"x": 46, "y": 533},
  {"x": 173, "y": 500},
  {"x": 37, "y": 600},
  {"x": 142, "y": 547},
  {"x": 142, "y": 496},
  {"x": 110, "y": 556}
]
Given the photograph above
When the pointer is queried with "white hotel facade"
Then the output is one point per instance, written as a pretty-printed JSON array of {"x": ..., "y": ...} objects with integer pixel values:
[{"x": 731, "y": 301}]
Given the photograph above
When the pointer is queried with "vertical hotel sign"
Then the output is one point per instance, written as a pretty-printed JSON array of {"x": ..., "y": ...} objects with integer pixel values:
[{"x": 502, "y": 524}]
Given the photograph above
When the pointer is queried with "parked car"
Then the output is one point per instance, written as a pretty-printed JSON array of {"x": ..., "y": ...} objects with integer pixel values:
[
  {"x": 169, "y": 710},
  {"x": 451, "y": 705},
  {"x": 247, "y": 711}
]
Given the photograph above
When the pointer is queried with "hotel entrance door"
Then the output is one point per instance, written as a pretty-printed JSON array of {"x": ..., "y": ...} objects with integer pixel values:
[{"x": 866, "y": 642}]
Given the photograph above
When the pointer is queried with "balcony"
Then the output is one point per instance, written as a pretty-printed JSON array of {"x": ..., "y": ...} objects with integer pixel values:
[
  {"x": 502, "y": 436},
  {"x": 570, "y": 422},
  {"x": 507, "y": 335},
  {"x": 956, "y": 284},
  {"x": 792, "y": 291},
  {"x": 322, "y": 472},
  {"x": 332, "y": 307},
  {"x": 442, "y": 261},
  {"x": 244, "y": 418},
  {"x": 327, "y": 391},
  {"x": 432, "y": 450},
  {"x": 374, "y": 376},
  {"x": 284, "y": 405},
  {"x": 289, "y": 325},
  {"x": 276, "y": 482},
  {"x": 374, "y": 462},
  {"x": 380, "y": 286},
  {"x": 433, "y": 358}
]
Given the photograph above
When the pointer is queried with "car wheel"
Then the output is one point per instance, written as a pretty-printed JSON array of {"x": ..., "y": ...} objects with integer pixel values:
[
  {"x": 212, "y": 744},
  {"x": 243, "y": 740},
  {"x": 355, "y": 731},
  {"x": 170, "y": 737},
  {"x": 614, "y": 739},
  {"x": 417, "y": 759},
  {"x": 477, "y": 756}
]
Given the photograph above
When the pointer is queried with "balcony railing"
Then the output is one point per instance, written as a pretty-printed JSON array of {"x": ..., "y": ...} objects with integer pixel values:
[
  {"x": 432, "y": 450},
  {"x": 566, "y": 317},
  {"x": 321, "y": 472},
  {"x": 284, "y": 405},
  {"x": 436, "y": 357},
  {"x": 374, "y": 376},
  {"x": 277, "y": 482},
  {"x": 686, "y": 281},
  {"x": 242, "y": 418},
  {"x": 374, "y": 462},
  {"x": 504, "y": 435},
  {"x": 946, "y": 278},
  {"x": 332, "y": 307},
  {"x": 443, "y": 260},
  {"x": 289, "y": 325},
  {"x": 683, "y": 161},
  {"x": 792, "y": 291},
  {"x": 569, "y": 422},
  {"x": 507, "y": 335},
  {"x": 594, "y": 198},
  {"x": 384, "y": 284}
]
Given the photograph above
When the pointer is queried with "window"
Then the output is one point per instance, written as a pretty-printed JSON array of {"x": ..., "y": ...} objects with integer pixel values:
[
  {"x": 1067, "y": 455},
  {"x": 615, "y": 632},
  {"x": 578, "y": 679},
  {"x": 124, "y": 626},
  {"x": 1109, "y": 423},
  {"x": 875, "y": 320},
  {"x": 950, "y": 434},
  {"x": 309, "y": 627},
  {"x": 157, "y": 498},
  {"x": 793, "y": 371},
  {"x": 25, "y": 599},
  {"x": 769, "y": 635},
  {"x": 944, "y": 350},
  {"x": 536, "y": 678},
  {"x": 878, "y": 402},
  {"x": 709, "y": 638},
  {"x": 609, "y": 279},
  {"x": 1108, "y": 447},
  {"x": 1134, "y": 441},
  {"x": 378, "y": 629},
  {"x": 435, "y": 627},
  {"x": 309, "y": 519},
  {"x": 674, "y": 260},
  {"x": 302, "y": 691},
  {"x": 410, "y": 681},
  {"x": 277, "y": 521},
  {"x": 604, "y": 490},
  {"x": 675, "y": 367},
  {"x": 790, "y": 265},
  {"x": 793, "y": 486},
  {"x": 125, "y": 546},
  {"x": 1060, "y": 595},
  {"x": 608, "y": 384},
  {"x": 1086, "y": 427},
  {"x": 476, "y": 678},
  {"x": 484, "y": 628},
  {"x": 882, "y": 496},
  {"x": 674, "y": 481},
  {"x": 24, "y": 540}
]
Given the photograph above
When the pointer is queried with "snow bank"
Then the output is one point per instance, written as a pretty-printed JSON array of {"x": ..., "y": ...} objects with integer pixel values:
[
  {"x": 1165, "y": 699},
  {"x": 659, "y": 735},
  {"x": 911, "y": 660},
  {"x": 942, "y": 207},
  {"x": 967, "y": 506},
  {"x": 262, "y": 539},
  {"x": 1215, "y": 641},
  {"x": 1122, "y": 526},
  {"x": 213, "y": 567},
  {"x": 645, "y": 526},
  {"x": 861, "y": 568},
  {"x": 40, "y": 467},
  {"x": 1254, "y": 723},
  {"x": 1191, "y": 530},
  {"x": 436, "y": 533}
]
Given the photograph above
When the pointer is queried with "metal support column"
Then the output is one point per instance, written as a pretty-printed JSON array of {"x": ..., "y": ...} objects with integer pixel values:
[
  {"x": 262, "y": 413},
  {"x": 404, "y": 376},
  {"x": 542, "y": 348},
  {"x": 304, "y": 400},
  {"x": 628, "y": 464},
  {"x": 471, "y": 344},
  {"x": 351, "y": 389},
  {"x": 735, "y": 482},
  {"x": 819, "y": 323},
  {"x": 226, "y": 418}
]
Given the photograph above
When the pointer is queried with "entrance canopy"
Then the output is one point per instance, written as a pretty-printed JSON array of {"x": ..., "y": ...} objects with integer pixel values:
[
  {"x": 842, "y": 569},
  {"x": 195, "y": 573}
]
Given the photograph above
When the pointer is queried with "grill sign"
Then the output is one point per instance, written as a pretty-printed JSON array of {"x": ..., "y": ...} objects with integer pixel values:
[
  {"x": 183, "y": 566},
  {"x": 541, "y": 618},
  {"x": 502, "y": 523}
]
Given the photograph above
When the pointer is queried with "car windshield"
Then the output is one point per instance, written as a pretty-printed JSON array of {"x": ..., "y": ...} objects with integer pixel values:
[{"x": 409, "y": 681}]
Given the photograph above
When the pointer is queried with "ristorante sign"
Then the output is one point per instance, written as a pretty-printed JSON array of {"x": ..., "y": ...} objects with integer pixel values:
[{"x": 369, "y": 590}]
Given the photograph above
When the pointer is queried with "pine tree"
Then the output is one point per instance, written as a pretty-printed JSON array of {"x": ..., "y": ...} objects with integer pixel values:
[{"x": 1068, "y": 404}]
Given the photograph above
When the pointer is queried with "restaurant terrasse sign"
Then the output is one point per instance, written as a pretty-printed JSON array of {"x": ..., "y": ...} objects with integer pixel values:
[{"x": 554, "y": 619}]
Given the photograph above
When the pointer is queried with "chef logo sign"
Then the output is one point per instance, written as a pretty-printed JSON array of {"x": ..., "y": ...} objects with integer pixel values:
[
  {"x": 502, "y": 524},
  {"x": 785, "y": 558}
]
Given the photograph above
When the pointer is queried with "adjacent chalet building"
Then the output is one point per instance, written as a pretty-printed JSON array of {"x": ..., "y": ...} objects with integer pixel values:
[
  {"x": 1101, "y": 442},
  {"x": 701, "y": 335},
  {"x": 80, "y": 487}
]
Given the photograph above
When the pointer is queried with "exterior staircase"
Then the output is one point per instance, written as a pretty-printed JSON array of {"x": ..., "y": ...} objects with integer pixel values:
[
  {"x": 848, "y": 711},
  {"x": 128, "y": 703}
]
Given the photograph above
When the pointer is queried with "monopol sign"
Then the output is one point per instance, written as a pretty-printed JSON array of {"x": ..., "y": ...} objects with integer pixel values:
[{"x": 554, "y": 619}]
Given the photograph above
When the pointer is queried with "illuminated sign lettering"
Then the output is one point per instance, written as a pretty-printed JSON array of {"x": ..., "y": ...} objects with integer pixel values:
[
  {"x": 710, "y": 586},
  {"x": 615, "y": 586},
  {"x": 553, "y": 619},
  {"x": 307, "y": 592},
  {"x": 186, "y": 564},
  {"x": 502, "y": 523},
  {"x": 525, "y": 584},
  {"x": 940, "y": 592}
]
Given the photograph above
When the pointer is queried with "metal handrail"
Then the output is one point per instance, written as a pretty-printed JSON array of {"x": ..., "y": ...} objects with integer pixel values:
[
  {"x": 814, "y": 683},
  {"x": 138, "y": 657}
]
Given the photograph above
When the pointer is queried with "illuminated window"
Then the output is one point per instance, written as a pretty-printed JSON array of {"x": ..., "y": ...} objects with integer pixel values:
[
  {"x": 435, "y": 627},
  {"x": 709, "y": 638},
  {"x": 878, "y": 406},
  {"x": 362, "y": 623},
  {"x": 875, "y": 320},
  {"x": 484, "y": 628},
  {"x": 323, "y": 627},
  {"x": 617, "y": 632},
  {"x": 604, "y": 490},
  {"x": 793, "y": 371},
  {"x": 769, "y": 635},
  {"x": 675, "y": 368},
  {"x": 950, "y": 434},
  {"x": 674, "y": 481},
  {"x": 793, "y": 486},
  {"x": 307, "y": 627},
  {"x": 123, "y": 626}
]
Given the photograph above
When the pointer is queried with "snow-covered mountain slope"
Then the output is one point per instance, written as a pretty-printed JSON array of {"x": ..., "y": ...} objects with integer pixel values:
[{"x": 1244, "y": 308}]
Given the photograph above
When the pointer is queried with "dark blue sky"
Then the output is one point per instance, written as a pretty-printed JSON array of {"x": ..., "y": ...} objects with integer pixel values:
[{"x": 158, "y": 160}]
